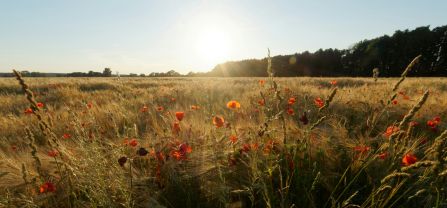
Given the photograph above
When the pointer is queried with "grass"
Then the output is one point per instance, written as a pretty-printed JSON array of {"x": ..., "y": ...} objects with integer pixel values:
[{"x": 262, "y": 156}]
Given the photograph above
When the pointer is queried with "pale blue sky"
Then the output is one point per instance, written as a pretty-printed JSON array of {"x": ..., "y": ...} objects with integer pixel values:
[{"x": 145, "y": 36}]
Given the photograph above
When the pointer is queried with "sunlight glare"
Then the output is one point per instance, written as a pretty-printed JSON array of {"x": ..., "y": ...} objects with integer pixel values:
[{"x": 212, "y": 46}]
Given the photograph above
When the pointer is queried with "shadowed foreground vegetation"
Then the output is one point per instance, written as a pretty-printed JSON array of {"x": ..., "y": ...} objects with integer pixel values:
[{"x": 223, "y": 142}]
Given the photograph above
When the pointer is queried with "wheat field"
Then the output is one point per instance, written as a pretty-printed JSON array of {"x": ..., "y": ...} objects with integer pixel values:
[{"x": 223, "y": 142}]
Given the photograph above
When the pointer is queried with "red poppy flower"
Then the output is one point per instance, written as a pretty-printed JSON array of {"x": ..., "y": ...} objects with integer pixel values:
[
  {"x": 290, "y": 111},
  {"x": 362, "y": 149},
  {"x": 409, "y": 159},
  {"x": 406, "y": 97},
  {"x": 133, "y": 143},
  {"x": 176, "y": 127},
  {"x": 233, "y": 104},
  {"x": 432, "y": 124},
  {"x": 66, "y": 136},
  {"x": 195, "y": 107},
  {"x": 179, "y": 115},
  {"x": 292, "y": 100},
  {"x": 144, "y": 109},
  {"x": 233, "y": 139},
  {"x": 39, "y": 105},
  {"x": 413, "y": 123},
  {"x": 89, "y": 105},
  {"x": 14, "y": 148},
  {"x": 255, "y": 146},
  {"x": 437, "y": 119},
  {"x": 47, "y": 187},
  {"x": 185, "y": 148},
  {"x": 261, "y": 82},
  {"x": 28, "y": 111},
  {"x": 391, "y": 130},
  {"x": 218, "y": 121},
  {"x": 261, "y": 102},
  {"x": 394, "y": 102},
  {"x": 383, "y": 155},
  {"x": 269, "y": 146},
  {"x": 319, "y": 102},
  {"x": 53, "y": 153},
  {"x": 333, "y": 82},
  {"x": 160, "y": 108},
  {"x": 245, "y": 148},
  {"x": 176, "y": 155}
]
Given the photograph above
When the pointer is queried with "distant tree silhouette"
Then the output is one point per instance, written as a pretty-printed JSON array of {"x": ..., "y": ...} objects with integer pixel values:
[
  {"x": 390, "y": 54},
  {"x": 107, "y": 72}
]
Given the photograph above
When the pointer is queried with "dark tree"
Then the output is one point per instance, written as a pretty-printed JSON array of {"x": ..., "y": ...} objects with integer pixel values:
[{"x": 107, "y": 72}]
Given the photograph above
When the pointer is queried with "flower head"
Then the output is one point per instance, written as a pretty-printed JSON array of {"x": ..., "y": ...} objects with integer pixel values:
[
  {"x": 47, "y": 187},
  {"x": 218, "y": 121},
  {"x": 144, "y": 109},
  {"x": 261, "y": 102},
  {"x": 185, "y": 148},
  {"x": 261, "y": 82},
  {"x": 195, "y": 107},
  {"x": 133, "y": 143},
  {"x": 292, "y": 100},
  {"x": 28, "y": 111},
  {"x": 409, "y": 159},
  {"x": 39, "y": 105},
  {"x": 413, "y": 123},
  {"x": 319, "y": 102},
  {"x": 179, "y": 115},
  {"x": 383, "y": 155},
  {"x": 233, "y": 139},
  {"x": 160, "y": 108},
  {"x": 233, "y": 104},
  {"x": 53, "y": 153},
  {"x": 290, "y": 111},
  {"x": 333, "y": 82},
  {"x": 362, "y": 149},
  {"x": 181, "y": 152},
  {"x": 66, "y": 136},
  {"x": 391, "y": 130}
]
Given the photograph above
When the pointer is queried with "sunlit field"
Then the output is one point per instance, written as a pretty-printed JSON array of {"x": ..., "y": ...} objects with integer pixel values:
[{"x": 223, "y": 142}]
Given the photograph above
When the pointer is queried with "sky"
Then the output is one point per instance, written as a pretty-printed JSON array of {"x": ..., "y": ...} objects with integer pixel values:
[{"x": 144, "y": 36}]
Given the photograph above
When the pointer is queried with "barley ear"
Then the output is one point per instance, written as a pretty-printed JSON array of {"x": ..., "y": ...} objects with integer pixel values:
[
  {"x": 404, "y": 74},
  {"x": 413, "y": 111}
]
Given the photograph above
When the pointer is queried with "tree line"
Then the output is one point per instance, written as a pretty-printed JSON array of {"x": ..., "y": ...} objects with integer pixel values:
[{"x": 390, "y": 54}]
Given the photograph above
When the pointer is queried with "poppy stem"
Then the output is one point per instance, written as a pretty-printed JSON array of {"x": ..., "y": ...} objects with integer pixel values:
[{"x": 131, "y": 181}]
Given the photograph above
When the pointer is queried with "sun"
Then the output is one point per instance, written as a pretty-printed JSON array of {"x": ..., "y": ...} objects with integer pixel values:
[{"x": 212, "y": 46}]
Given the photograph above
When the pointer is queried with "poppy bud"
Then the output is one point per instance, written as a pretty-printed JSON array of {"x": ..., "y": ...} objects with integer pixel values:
[
  {"x": 142, "y": 151},
  {"x": 304, "y": 119},
  {"x": 122, "y": 161}
]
